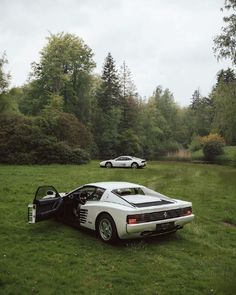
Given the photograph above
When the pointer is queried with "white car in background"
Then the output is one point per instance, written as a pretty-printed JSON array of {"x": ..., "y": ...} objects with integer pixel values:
[
  {"x": 124, "y": 162},
  {"x": 115, "y": 210}
]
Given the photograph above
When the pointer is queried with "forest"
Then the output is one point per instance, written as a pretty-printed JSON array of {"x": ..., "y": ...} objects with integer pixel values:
[{"x": 65, "y": 113}]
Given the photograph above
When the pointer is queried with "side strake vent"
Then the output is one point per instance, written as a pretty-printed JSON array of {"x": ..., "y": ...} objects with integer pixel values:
[{"x": 83, "y": 215}]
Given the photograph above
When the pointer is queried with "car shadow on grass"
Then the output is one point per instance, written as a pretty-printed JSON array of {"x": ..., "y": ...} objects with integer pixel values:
[{"x": 52, "y": 227}]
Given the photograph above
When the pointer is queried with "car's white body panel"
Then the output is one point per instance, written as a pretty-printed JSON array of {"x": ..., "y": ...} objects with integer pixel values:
[
  {"x": 124, "y": 162},
  {"x": 120, "y": 207}
]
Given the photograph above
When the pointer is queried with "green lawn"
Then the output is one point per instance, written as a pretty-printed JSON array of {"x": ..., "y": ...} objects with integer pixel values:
[{"x": 52, "y": 258}]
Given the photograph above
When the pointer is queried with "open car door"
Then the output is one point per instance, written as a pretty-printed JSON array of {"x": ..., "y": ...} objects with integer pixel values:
[{"x": 46, "y": 204}]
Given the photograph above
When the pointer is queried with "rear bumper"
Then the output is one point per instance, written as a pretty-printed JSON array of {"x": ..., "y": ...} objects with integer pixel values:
[{"x": 154, "y": 227}]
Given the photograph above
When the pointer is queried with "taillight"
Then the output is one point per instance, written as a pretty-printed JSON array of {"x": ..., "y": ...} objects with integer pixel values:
[
  {"x": 187, "y": 211},
  {"x": 133, "y": 219}
]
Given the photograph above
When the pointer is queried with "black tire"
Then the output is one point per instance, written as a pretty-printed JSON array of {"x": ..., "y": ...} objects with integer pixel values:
[
  {"x": 134, "y": 165},
  {"x": 108, "y": 165},
  {"x": 106, "y": 229}
]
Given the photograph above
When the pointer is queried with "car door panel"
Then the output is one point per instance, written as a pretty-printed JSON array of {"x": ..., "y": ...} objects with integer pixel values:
[{"x": 46, "y": 204}]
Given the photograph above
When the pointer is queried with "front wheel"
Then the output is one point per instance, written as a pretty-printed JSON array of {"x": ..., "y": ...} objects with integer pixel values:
[
  {"x": 108, "y": 165},
  {"x": 106, "y": 229},
  {"x": 134, "y": 165}
]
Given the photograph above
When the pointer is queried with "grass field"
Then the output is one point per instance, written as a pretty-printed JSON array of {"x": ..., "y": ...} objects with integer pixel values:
[{"x": 52, "y": 258}]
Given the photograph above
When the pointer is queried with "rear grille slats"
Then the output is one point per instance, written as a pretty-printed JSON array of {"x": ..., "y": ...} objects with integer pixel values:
[{"x": 162, "y": 215}]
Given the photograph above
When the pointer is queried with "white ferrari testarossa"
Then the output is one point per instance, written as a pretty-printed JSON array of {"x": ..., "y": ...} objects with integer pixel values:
[{"x": 113, "y": 209}]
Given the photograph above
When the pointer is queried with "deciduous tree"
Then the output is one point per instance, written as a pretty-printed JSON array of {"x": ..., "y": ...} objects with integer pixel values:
[
  {"x": 64, "y": 71},
  {"x": 225, "y": 43}
]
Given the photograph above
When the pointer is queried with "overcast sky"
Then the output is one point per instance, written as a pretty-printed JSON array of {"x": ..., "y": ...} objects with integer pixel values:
[{"x": 163, "y": 42}]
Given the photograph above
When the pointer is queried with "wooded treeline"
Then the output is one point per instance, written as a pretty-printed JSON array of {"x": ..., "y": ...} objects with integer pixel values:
[{"x": 67, "y": 114}]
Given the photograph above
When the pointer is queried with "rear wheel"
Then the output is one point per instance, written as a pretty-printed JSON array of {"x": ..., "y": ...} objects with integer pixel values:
[
  {"x": 134, "y": 165},
  {"x": 108, "y": 165},
  {"x": 106, "y": 229}
]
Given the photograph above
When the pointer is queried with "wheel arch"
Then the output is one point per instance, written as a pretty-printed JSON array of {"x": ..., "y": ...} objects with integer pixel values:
[
  {"x": 109, "y": 162},
  {"x": 99, "y": 215},
  {"x": 136, "y": 163},
  {"x": 116, "y": 215}
]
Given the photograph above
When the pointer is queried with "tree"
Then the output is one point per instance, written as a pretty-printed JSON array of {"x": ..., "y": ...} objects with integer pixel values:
[
  {"x": 108, "y": 94},
  {"x": 226, "y": 76},
  {"x": 158, "y": 119},
  {"x": 106, "y": 132},
  {"x": 64, "y": 73},
  {"x": 7, "y": 97},
  {"x": 201, "y": 110},
  {"x": 129, "y": 100},
  {"x": 225, "y": 43},
  {"x": 224, "y": 102},
  {"x": 108, "y": 112},
  {"x": 196, "y": 100},
  {"x": 4, "y": 77}
]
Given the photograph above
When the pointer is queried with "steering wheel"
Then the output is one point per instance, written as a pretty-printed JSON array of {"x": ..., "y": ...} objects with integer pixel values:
[{"x": 80, "y": 197}]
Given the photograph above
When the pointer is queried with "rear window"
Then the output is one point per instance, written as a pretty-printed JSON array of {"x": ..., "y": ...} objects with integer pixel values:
[{"x": 128, "y": 191}]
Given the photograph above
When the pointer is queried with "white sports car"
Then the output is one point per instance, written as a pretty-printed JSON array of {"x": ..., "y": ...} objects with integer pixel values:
[
  {"x": 113, "y": 209},
  {"x": 124, "y": 161}
]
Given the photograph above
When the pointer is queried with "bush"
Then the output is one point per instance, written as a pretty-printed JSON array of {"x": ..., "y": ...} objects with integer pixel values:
[
  {"x": 79, "y": 156},
  {"x": 60, "y": 152},
  {"x": 212, "y": 146},
  {"x": 196, "y": 144},
  {"x": 22, "y": 141}
]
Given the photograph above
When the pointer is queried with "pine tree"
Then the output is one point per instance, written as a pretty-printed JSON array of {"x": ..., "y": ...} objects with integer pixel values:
[
  {"x": 129, "y": 99},
  {"x": 108, "y": 95}
]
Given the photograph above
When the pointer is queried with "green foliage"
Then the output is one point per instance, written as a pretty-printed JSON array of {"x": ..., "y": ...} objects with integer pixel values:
[
  {"x": 60, "y": 152},
  {"x": 66, "y": 106},
  {"x": 129, "y": 143},
  {"x": 108, "y": 94},
  {"x": 129, "y": 103},
  {"x": 225, "y": 45},
  {"x": 160, "y": 125},
  {"x": 4, "y": 77},
  {"x": 212, "y": 146},
  {"x": 24, "y": 140},
  {"x": 202, "y": 112},
  {"x": 196, "y": 143},
  {"x": 107, "y": 133},
  {"x": 224, "y": 98},
  {"x": 63, "y": 76},
  {"x": 65, "y": 127}
]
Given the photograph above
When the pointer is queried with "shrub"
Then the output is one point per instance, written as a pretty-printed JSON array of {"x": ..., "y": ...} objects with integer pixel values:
[
  {"x": 79, "y": 156},
  {"x": 60, "y": 152},
  {"x": 196, "y": 144},
  {"x": 212, "y": 146},
  {"x": 24, "y": 141}
]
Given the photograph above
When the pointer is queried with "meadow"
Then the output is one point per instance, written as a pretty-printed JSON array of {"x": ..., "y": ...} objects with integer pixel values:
[{"x": 53, "y": 258}]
